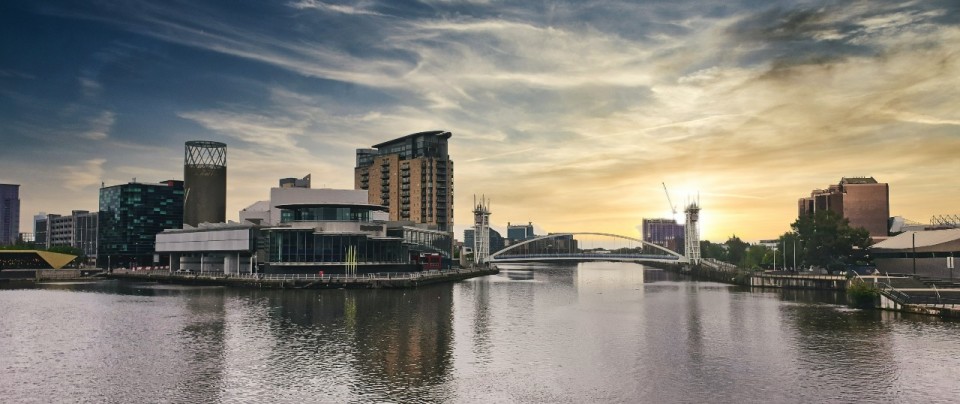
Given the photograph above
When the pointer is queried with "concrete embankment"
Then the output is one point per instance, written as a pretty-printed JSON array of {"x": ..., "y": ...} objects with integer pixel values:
[
  {"x": 41, "y": 275},
  {"x": 273, "y": 281},
  {"x": 902, "y": 294},
  {"x": 799, "y": 281},
  {"x": 888, "y": 302},
  {"x": 781, "y": 280},
  {"x": 910, "y": 295}
]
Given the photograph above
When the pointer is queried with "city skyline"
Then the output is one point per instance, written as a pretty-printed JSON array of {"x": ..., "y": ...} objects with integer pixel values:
[{"x": 569, "y": 115}]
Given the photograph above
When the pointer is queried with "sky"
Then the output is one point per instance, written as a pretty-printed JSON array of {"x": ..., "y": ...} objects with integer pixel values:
[{"x": 567, "y": 114}]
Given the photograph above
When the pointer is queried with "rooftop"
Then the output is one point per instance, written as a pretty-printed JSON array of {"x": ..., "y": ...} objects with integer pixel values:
[
  {"x": 439, "y": 133},
  {"x": 918, "y": 239},
  {"x": 858, "y": 180}
]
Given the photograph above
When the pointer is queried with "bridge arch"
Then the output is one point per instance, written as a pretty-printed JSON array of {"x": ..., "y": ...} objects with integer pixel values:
[{"x": 497, "y": 254}]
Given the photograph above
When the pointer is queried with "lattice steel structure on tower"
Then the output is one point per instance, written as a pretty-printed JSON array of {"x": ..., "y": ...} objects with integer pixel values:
[
  {"x": 481, "y": 231},
  {"x": 692, "y": 233}
]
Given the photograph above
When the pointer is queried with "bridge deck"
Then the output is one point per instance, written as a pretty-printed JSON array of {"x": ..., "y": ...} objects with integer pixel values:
[{"x": 587, "y": 257}]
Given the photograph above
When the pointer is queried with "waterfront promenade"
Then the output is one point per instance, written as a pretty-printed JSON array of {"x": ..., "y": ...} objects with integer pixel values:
[
  {"x": 896, "y": 292},
  {"x": 386, "y": 280}
]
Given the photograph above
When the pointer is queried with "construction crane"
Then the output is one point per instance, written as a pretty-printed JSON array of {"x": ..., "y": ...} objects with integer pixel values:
[{"x": 672, "y": 207}]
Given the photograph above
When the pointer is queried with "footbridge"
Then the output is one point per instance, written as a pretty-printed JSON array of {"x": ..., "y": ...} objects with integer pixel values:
[{"x": 586, "y": 246}]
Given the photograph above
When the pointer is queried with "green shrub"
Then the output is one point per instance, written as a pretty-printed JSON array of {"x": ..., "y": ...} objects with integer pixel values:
[{"x": 861, "y": 294}]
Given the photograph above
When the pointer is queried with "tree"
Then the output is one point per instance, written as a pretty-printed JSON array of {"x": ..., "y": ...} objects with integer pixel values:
[
  {"x": 826, "y": 240},
  {"x": 757, "y": 256},
  {"x": 712, "y": 250},
  {"x": 736, "y": 250}
]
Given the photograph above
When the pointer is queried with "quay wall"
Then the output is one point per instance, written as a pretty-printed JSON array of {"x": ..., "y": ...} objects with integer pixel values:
[
  {"x": 267, "y": 281},
  {"x": 818, "y": 282}
]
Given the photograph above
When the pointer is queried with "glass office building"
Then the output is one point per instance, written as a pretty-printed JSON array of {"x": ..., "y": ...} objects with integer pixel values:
[
  {"x": 131, "y": 215},
  {"x": 9, "y": 213}
]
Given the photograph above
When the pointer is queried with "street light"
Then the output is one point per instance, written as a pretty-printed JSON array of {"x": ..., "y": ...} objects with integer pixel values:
[
  {"x": 794, "y": 252},
  {"x": 914, "y": 253}
]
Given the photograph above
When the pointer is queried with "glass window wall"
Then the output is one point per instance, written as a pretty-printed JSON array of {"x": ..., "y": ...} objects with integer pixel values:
[
  {"x": 307, "y": 247},
  {"x": 316, "y": 214}
]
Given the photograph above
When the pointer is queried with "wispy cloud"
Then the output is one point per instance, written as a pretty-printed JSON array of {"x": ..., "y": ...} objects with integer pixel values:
[
  {"x": 87, "y": 174},
  {"x": 99, "y": 126},
  {"x": 580, "y": 108},
  {"x": 337, "y": 8},
  {"x": 6, "y": 73}
]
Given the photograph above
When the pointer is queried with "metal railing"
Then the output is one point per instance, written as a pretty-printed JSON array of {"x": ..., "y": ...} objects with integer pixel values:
[
  {"x": 821, "y": 277},
  {"x": 719, "y": 265},
  {"x": 587, "y": 255},
  {"x": 903, "y": 298}
]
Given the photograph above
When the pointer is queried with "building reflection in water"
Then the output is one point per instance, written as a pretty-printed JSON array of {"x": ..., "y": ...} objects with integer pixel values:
[
  {"x": 202, "y": 338},
  {"x": 378, "y": 345}
]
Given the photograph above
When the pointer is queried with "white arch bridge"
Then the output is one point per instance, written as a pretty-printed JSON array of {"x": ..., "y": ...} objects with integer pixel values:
[{"x": 573, "y": 247}]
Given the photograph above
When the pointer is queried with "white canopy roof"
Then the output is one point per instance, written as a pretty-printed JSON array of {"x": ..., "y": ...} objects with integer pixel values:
[{"x": 931, "y": 240}]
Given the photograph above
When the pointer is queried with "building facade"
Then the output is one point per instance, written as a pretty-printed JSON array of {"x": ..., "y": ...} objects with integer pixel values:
[
  {"x": 267, "y": 212},
  {"x": 318, "y": 236},
  {"x": 130, "y": 217},
  {"x": 421, "y": 241},
  {"x": 204, "y": 182},
  {"x": 412, "y": 176},
  {"x": 861, "y": 200},
  {"x": 666, "y": 233},
  {"x": 932, "y": 253},
  {"x": 309, "y": 230},
  {"x": 519, "y": 232},
  {"x": 230, "y": 248},
  {"x": 9, "y": 213},
  {"x": 497, "y": 242},
  {"x": 78, "y": 230},
  {"x": 295, "y": 182}
]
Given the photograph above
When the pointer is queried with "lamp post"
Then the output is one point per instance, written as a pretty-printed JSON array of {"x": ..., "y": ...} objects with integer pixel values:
[
  {"x": 774, "y": 256},
  {"x": 783, "y": 243},
  {"x": 794, "y": 252},
  {"x": 914, "y": 253}
]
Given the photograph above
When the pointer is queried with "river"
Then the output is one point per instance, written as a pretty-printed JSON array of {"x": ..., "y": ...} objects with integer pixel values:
[{"x": 591, "y": 332}]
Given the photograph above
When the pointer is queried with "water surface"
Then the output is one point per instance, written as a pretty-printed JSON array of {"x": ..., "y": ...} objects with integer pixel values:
[{"x": 597, "y": 332}]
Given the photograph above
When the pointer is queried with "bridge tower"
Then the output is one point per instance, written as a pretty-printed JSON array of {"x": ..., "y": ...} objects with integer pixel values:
[
  {"x": 481, "y": 230},
  {"x": 691, "y": 237}
]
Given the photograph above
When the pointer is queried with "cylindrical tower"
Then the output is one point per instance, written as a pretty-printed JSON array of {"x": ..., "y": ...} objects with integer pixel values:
[{"x": 204, "y": 182}]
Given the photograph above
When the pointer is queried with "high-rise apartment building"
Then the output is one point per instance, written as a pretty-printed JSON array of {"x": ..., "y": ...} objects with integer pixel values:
[
  {"x": 412, "y": 176},
  {"x": 9, "y": 213},
  {"x": 861, "y": 200},
  {"x": 666, "y": 233},
  {"x": 78, "y": 230},
  {"x": 130, "y": 217}
]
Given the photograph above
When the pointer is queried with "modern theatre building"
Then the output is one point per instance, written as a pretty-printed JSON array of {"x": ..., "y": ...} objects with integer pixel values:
[{"x": 315, "y": 230}]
